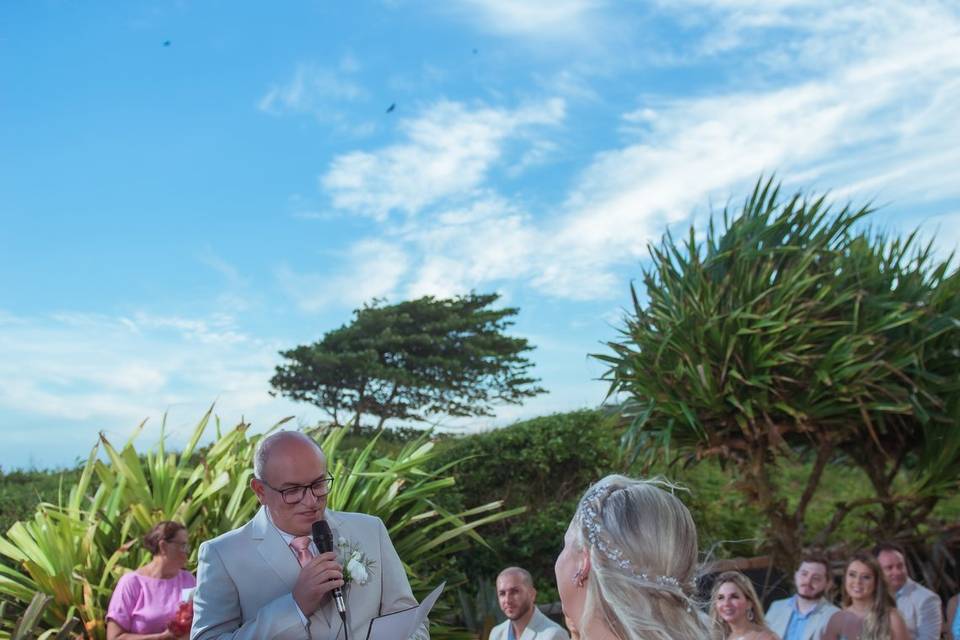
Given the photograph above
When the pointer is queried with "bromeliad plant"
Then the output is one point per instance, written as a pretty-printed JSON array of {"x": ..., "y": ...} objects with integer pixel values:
[{"x": 75, "y": 550}]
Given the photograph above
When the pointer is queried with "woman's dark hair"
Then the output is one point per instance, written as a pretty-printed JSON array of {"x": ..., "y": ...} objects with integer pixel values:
[{"x": 161, "y": 532}]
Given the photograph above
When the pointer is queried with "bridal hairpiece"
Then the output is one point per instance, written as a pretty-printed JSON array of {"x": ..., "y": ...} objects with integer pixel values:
[{"x": 588, "y": 516}]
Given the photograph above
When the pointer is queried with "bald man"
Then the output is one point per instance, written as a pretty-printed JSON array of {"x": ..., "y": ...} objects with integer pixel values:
[
  {"x": 525, "y": 621},
  {"x": 267, "y": 579}
]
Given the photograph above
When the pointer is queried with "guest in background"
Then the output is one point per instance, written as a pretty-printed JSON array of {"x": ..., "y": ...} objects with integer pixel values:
[
  {"x": 869, "y": 611},
  {"x": 736, "y": 610},
  {"x": 147, "y": 599},
  {"x": 804, "y": 616},
  {"x": 518, "y": 600},
  {"x": 628, "y": 563},
  {"x": 922, "y": 609}
]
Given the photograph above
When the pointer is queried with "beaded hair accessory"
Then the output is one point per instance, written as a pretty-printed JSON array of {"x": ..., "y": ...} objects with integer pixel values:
[{"x": 588, "y": 516}]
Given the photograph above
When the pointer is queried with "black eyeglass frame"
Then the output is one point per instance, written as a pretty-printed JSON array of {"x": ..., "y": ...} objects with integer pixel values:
[{"x": 324, "y": 484}]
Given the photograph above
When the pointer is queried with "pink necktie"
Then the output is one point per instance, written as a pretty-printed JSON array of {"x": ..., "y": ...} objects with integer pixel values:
[{"x": 301, "y": 548}]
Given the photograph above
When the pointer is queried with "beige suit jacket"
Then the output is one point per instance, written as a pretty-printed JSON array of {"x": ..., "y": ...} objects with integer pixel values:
[{"x": 245, "y": 580}]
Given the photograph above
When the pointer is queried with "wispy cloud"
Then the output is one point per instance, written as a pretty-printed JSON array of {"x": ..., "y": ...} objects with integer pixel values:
[
  {"x": 535, "y": 19},
  {"x": 322, "y": 93},
  {"x": 486, "y": 242},
  {"x": 879, "y": 122},
  {"x": 447, "y": 153},
  {"x": 95, "y": 372},
  {"x": 371, "y": 269}
]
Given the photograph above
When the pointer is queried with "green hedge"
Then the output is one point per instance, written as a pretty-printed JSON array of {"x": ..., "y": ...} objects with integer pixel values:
[
  {"x": 22, "y": 490},
  {"x": 543, "y": 464}
]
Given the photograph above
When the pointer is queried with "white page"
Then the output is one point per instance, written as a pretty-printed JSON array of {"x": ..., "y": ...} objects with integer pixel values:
[{"x": 400, "y": 625}]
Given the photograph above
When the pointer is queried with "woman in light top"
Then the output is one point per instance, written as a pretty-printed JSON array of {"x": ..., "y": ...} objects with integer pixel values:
[
  {"x": 869, "y": 611},
  {"x": 736, "y": 611},
  {"x": 147, "y": 599},
  {"x": 627, "y": 567}
]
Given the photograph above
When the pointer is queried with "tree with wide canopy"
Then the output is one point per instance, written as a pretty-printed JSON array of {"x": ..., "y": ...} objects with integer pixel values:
[{"x": 413, "y": 360}]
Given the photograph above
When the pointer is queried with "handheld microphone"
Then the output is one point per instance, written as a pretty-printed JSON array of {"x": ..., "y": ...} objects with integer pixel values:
[{"x": 323, "y": 538}]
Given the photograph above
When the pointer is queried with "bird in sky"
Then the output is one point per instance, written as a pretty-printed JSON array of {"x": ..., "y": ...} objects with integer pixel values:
[
  {"x": 166, "y": 43},
  {"x": 391, "y": 107}
]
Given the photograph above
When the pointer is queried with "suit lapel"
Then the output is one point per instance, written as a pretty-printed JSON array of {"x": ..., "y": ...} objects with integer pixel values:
[
  {"x": 278, "y": 555},
  {"x": 273, "y": 550}
]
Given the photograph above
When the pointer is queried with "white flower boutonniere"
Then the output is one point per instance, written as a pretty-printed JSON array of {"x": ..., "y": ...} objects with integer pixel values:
[{"x": 357, "y": 567}]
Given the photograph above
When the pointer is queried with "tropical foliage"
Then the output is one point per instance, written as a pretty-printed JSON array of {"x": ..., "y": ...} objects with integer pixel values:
[
  {"x": 790, "y": 334},
  {"x": 544, "y": 464},
  {"x": 75, "y": 549}
]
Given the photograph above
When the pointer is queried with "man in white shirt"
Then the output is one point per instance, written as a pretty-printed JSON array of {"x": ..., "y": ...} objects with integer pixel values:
[
  {"x": 267, "y": 579},
  {"x": 921, "y": 608},
  {"x": 804, "y": 616},
  {"x": 525, "y": 621}
]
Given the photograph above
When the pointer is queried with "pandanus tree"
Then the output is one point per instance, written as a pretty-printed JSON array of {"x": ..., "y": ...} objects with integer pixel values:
[{"x": 792, "y": 333}]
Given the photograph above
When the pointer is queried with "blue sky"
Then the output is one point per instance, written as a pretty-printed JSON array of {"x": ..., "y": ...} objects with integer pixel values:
[{"x": 172, "y": 216}]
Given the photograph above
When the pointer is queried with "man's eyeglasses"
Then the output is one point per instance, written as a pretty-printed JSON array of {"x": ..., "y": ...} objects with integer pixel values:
[{"x": 293, "y": 495}]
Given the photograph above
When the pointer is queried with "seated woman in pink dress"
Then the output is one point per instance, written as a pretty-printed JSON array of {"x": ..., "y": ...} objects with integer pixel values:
[{"x": 146, "y": 600}]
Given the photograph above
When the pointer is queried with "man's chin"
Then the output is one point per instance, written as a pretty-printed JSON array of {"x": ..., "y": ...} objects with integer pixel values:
[{"x": 813, "y": 596}]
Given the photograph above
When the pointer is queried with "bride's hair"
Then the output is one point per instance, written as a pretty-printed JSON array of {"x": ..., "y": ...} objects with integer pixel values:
[{"x": 643, "y": 553}]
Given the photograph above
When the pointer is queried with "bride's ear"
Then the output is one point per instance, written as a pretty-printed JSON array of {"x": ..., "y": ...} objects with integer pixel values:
[{"x": 585, "y": 565}]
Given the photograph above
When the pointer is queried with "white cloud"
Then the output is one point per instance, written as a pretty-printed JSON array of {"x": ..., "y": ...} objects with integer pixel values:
[
  {"x": 448, "y": 153},
  {"x": 533, "y": 19},
  {"x": 372, "y": 269},
  {"x": 486, "y": 242},
  {"x": 884, "y": 126},
  {"x": 310, "y": 88},
  {"x": 879, "y": 120},
  {"x": 95, "y": 372},
  {"x": 330, "y": 96}
]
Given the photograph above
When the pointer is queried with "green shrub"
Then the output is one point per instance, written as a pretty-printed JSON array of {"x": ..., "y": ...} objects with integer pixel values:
[
  {"x": 544, "y": 464},
  {"x": 22, "y": 490}
]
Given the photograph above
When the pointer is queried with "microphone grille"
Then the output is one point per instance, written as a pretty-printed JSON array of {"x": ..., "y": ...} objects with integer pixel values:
[{"x": 321, "y": 530}]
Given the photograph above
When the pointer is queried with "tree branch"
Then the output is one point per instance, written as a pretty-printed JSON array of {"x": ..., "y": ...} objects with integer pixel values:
[
  {"x": 824, "y": 452},
  {"x": 845, "y": 508}
]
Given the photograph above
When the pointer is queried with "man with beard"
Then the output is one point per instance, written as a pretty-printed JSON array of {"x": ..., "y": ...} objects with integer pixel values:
[
  {"x": 921, "y": 608},
  {"x": 804, "y": 616},
  {"x": 525, "y": 621}
]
